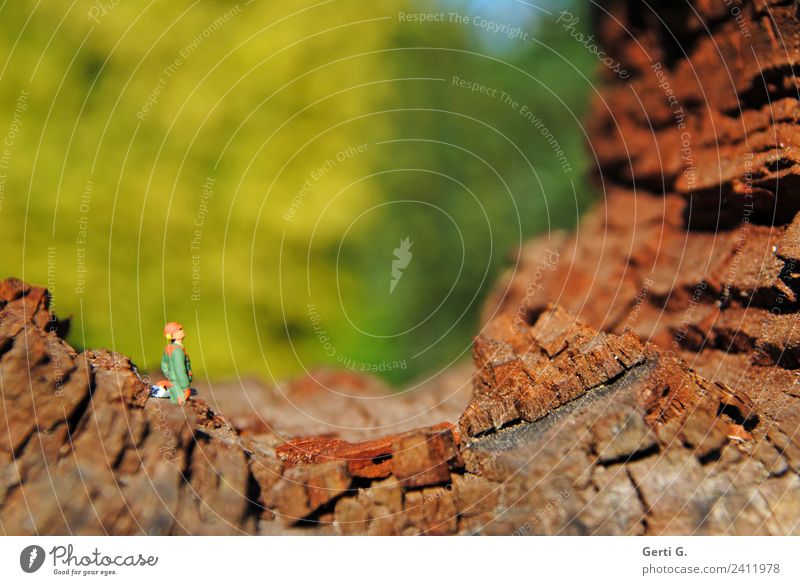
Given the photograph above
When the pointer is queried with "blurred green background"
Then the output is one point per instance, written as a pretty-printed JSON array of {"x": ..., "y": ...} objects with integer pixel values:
[{"x": 249, "y": 169}]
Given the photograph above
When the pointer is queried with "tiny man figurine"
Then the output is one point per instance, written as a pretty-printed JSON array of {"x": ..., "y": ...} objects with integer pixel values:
[{"x": 176, "y": 365}]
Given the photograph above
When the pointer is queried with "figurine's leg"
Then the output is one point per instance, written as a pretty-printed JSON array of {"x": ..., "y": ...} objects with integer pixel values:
[{"x": 175, "y": 395}]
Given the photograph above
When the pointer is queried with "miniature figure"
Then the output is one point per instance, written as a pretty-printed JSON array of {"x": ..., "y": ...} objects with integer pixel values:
[{"x": 176, "y": 367}]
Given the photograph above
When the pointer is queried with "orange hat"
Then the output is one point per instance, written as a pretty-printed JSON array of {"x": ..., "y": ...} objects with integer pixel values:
[{"x": 171, "y": 328}]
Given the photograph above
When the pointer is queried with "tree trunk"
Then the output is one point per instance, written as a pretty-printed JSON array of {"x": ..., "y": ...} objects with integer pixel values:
[{"x": 643, "y": 382}]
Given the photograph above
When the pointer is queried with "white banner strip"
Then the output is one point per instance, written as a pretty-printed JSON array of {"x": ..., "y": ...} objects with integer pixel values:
[{"x": 348, "y": 560}]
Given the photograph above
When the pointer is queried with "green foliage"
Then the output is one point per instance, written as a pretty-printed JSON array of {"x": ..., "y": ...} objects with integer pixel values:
[{"x": 249, "y": 169}]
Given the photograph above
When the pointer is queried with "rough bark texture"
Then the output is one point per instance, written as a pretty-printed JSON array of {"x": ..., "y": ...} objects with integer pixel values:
[{"x": 643, "y": 382}]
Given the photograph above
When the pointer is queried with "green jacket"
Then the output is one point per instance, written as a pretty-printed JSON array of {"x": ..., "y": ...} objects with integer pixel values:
[{"x": 177, "y": 368}]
